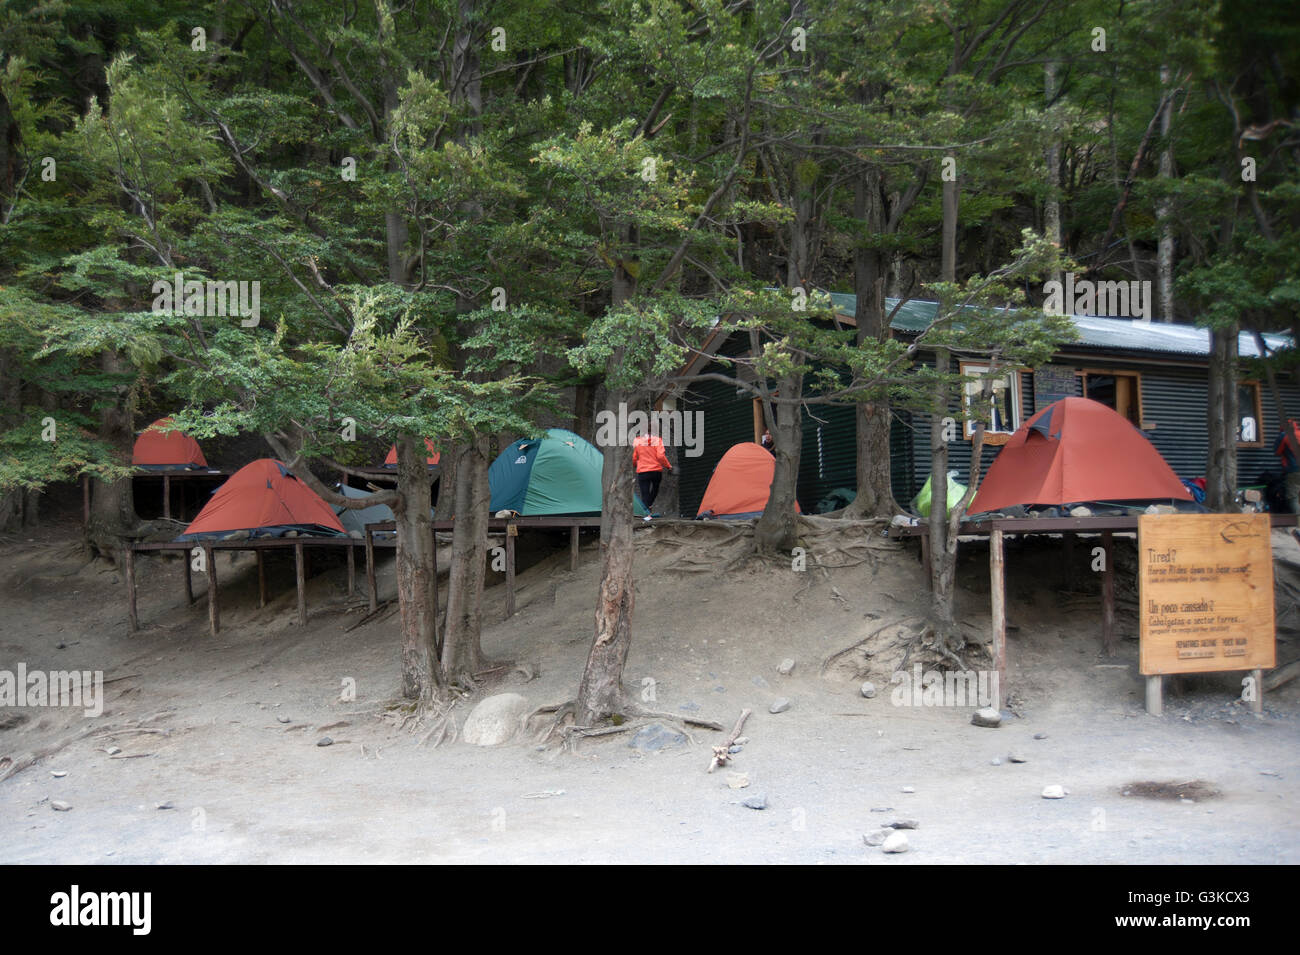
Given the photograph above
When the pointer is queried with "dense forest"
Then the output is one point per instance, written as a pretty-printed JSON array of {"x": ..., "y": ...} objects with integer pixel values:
[{"x": 462, "y": 215}]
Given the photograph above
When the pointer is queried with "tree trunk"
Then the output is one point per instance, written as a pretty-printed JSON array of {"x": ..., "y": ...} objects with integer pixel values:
[
  {"x": 943, "y": 552},
  {"x": 1052, "y": 203},
  {"x": 601, "y": 694},
  {"x": 462, "y": 652},
  {"x": 416, "y": 574},
  {"x": 1222, "y": 421},
  {"x": 112, "y": 506},
  {"x": 777, "y": 529},
  {"x": 875, "y": 496},
  {"x": 1165, "y": 246}
]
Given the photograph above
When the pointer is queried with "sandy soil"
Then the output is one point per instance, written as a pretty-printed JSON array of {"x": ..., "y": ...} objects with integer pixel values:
[{"x": 203, "y": 716}]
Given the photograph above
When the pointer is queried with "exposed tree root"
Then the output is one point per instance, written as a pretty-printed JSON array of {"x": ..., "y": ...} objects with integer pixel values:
[{"x": 721, "y": 754}]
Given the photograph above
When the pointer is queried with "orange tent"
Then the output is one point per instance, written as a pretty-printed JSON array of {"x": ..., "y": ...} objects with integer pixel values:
[
  {"x": 1077, "y": 450},
  {"x": 263, "y": 499},
  {"x": 391, "y": 460},
  {"x": 157, "y": 448},
  {"x": 741, "y": 483}
]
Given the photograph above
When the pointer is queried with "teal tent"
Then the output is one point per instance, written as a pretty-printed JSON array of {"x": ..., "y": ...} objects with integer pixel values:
[{"x": 558, "y": 473}]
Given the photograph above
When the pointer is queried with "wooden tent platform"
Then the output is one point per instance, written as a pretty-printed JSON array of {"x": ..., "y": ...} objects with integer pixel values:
[
  {"x": 1068, "y": 527},
  {"x": 168, "y": 475},
  {"x": 376, "y": 535}
]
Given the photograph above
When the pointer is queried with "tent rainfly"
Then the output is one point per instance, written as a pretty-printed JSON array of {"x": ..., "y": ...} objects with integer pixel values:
[
  {"x": 160, "y": 449},
  {"x": 556, "y": 474},
  {"x": 263, "y": 499},
  {"x": 741, "y": 483},
  {"x": 1077, "y": 450},
  {"x": 434, "y": 456}
]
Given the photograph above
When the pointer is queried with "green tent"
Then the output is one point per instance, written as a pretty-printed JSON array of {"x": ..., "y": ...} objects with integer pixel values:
[{"x": 558, "y": 473}]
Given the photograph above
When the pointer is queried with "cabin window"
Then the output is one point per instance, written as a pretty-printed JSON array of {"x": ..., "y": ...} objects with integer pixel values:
[
  {"x": 1250, "y": 418},
  {"x": 1002, "y": 414},
  {"x": 1118, "y": 390}
]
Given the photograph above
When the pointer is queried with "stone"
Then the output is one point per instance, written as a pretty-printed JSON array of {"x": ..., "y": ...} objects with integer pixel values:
[
  {"x": 1054, "y": 792},
  {"x": 58, "y": 773},
  {"x": 759, "y": 682},
  {"x": 1016, "y": 758},
  {"x": 779, "y": 705},
  {"x": 656, "y": 737},
  {"x": 895, "y": 842},
  {"x": 756, "y": 802},
  {"x": 742, "y": 740},
  {"x": 908, "y": 789},
  {"x": 1040, "y": 736},
  {"x": 689, "y": 707},
  {"x": 785, "y": 667},
  {"x": 495, "y": 720},
  {"x": 1080, "y": 511},
  {"x": 903, "y": 824},
  {"x": 737, "y": 780},
  {"x": 165, "y": 805},
  {"x": 987, "y": 717},
  {"x": 869, "y": 689},
  {"x": 284, "y": 719},
  {"x": 995, "y": 761},
  {"x": 734, "y": 749},
  {"x": 113, "y": 750},
  {"x": 877, "y": 837},
  {"x": 58, "y": 805},
  {"x": 325, "y": 741}
]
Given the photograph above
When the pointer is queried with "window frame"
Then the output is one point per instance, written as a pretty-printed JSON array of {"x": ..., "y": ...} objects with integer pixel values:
[
  {"x": 1118, "y": 373},
  {"x": 1018, "y": 401},
  {"x": 1260, "y": 441}
]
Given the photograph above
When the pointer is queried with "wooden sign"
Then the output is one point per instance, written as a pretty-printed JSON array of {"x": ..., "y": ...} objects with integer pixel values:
[{"x": 1205, "y": 589}]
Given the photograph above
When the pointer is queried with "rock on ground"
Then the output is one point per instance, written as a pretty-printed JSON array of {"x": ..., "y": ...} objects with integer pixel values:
[
  {"x": 869, "y": 689},
  {"x": 495, "y": 720},
  {"x": 779, "y": 706},
  {"x": 1054, "y": 792},
  {"x": 656, "y": 736},
  {"x": 877, "y": 837},
  {"x": 895, "y": 842},
  {"x": 785, "y": 667},
  {"x": 987, "y": 717}
]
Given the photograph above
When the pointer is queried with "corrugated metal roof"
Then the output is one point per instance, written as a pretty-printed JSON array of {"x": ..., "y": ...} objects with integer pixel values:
[{"x": 1117, "y": 334}]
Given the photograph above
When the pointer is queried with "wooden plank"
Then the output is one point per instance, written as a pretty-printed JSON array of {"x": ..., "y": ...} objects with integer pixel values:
[
  {"x": 214, "y": 613},
  {"x": 133, "y": 620},
  {"x": 167, "y": 497},
  {"x": 573, "y": 547},
  {"x": 998, "y": 590},
  {"x": 261, "y": 579},
  {"x": 510, "y": 574},
  {"x": 189, "y": 579},
  {"x": 301, "y": 569},
  {"x": 370, "y": 568},
  {"x": 1108, "y": 640},
  {"x": 1155, "y": 695}
]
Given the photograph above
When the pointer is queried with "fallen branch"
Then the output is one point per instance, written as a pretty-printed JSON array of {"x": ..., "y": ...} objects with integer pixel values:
[{"x": 721, "y": 754}]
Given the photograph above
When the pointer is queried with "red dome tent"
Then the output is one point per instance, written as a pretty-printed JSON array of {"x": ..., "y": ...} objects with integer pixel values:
[
  {"x": 158, "y": 448},
  {"x": 741, "y": 483},
  {"x": 1076, "y": 450},
  {"x": 391, "y": 460},
  {"x": 263, "y": 499}
]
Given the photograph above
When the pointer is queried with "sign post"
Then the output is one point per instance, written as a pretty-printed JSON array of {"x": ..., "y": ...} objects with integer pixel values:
[{"x": 1205, "y": 594}]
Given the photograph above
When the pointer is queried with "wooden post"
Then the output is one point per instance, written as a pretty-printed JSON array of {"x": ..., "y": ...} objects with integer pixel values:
[
  {"x": 189, "y": 580},
  {"x": 214, "y": 614},
  {"x": 1257, "y": 704},
  {"x": 511, "y": 532},
  {"x": 167, "y": 497},
  {"x": 573, "y": 547},
  {"x": 299, "y": 566},
  {"x": 261, "y": 578},
  {"x": 133, "y": 621},
  {"x": 370, "y": 569},
  {"x": 1108, "y": 594},
  {"x": 998, "y": 590},
  {"x": 352, "y": 570},
  {"x": 1067, "y": 548},
  {"x": 1155, "y": 695}
]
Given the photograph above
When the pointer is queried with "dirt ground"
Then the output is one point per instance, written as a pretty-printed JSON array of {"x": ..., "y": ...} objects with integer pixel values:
[{"x": 199, "y": 723}]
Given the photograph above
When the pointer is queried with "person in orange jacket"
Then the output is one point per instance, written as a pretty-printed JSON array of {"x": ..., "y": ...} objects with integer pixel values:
[{"x": 651, "y": 462}]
